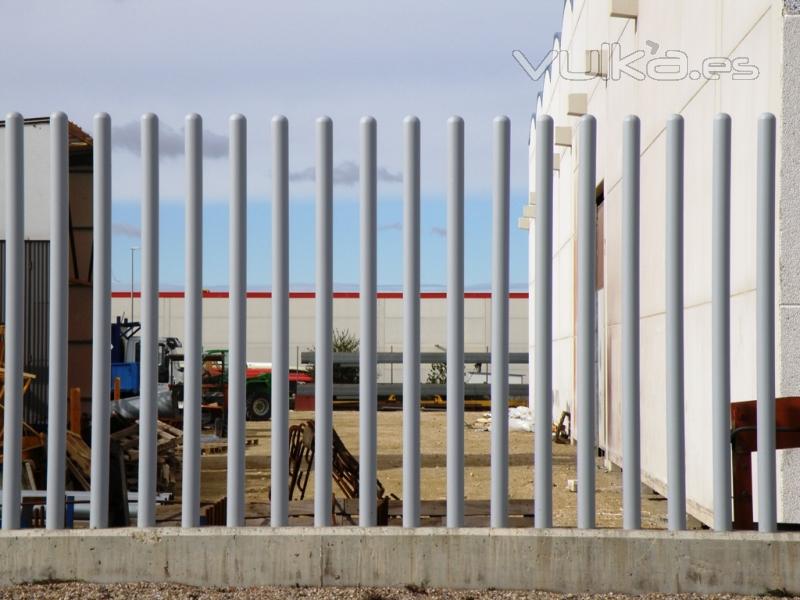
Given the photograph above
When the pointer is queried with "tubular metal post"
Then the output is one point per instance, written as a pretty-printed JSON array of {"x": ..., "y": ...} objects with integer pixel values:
[
  {"x": 101, "y": 323},
  {"x": 238, "y": 320},
  {"x": 720, "y": 318},
  {"x": 631, "y": 473},
  {"x": 193, "y": 351},
  {"x": 765, "y": 325},
  {"x": 411, "y": 349},
  {"x": 543, "y": 305},
  {"x": 676, "y": 453},
  {"x": 15, "y": 320},
  {"x": 587, "y": 319},
  {"x": 499, "y": 358},
  {"x": 148, "y": 405},
  {"x": 368, "y": 388},
  {"x": 279, "y": 513},
  {"x": 455, "y": 322},
  {"x": 323, "y": 378},
  {"x": 57, "y": 385}
]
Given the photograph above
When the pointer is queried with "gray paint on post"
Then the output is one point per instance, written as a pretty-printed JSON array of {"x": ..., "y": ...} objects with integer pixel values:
[
  {"x": 279, "y": 474},
  {"x": 411, "y": 335},
  {"x": 101, "y": 323},
  {"x": 237, "y": 387},
  {"x": 587, "y": 320},
  {"x": 368, "y": 344},
  {"x": 499, "y": 368},
  {"x": 676, "y": 453},
  {"x": 455, "y": 322},
  {"x": 543, "y": 307},
  {"x": 323, "y": 368},
  {"x": 59, "y": 277},
  {"x": 148, "y": 411},
  {"x": 720, "y": 322},
  {"x": 765, "y": 325},
  {"x": 193, "y": 345},
  {"x": 631, "y": 473},
  {"x": 15, "y": 319}
]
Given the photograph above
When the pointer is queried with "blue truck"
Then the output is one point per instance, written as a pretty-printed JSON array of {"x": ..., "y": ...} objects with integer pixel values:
[{"x": 126, "y": 357}]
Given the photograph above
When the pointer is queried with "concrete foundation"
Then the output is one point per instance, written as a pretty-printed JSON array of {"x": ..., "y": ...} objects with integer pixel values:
[{"x": 556, "y": 560}]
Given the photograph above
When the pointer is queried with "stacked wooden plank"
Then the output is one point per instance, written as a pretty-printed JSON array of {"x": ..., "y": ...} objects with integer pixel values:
[
  {"x": 169, "y": 441},
  {"x": 79, "y": 460}
]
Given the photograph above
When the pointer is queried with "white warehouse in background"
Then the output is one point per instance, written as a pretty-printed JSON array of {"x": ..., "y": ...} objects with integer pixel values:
[
  {"x": 759, "y": 40},
  {"x": 433, "y": 323}
]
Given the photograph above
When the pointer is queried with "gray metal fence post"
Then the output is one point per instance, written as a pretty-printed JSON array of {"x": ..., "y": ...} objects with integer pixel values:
[
  {"x": 543, "y": 309},
  {"x": 148, "y": 405},
  {"x": 587, "y": 320},
  {"x": 499, "y": 357},
  {"x": 279, "y": 513},
  {"x": 323, "y": 367},
  {"x": 15, "y": 320},
  {"x": 765, "y": 325},
  {"x": 101, "y": 323},
  {"x": 368, "y": 387},
  {"x": 676, "y": 453},
  {"x": 720, "y": 317},
  {"x": 631, "y": 473},
  {"x": 237, "y": 386},
  {"x": 455, "y": 322},
  {"x": 57, "y": 384},
  {"x": 411, "y": 349},
  {"x": 193, "y": 350}
]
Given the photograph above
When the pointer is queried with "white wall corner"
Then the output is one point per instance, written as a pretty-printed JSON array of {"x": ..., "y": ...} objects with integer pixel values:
[
  {"x": 596, "y": 64},
  {"x": 563, "y": 136},
  {"x": 577, "y": 105},
  {"x": 624, "y": 9}
]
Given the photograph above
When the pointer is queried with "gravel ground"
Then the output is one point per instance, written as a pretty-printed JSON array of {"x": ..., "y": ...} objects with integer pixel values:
[{"x": 145, "y": 591}]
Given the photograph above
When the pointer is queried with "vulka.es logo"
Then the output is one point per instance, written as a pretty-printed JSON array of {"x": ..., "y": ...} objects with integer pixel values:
[{"x": 610, "y": 63}]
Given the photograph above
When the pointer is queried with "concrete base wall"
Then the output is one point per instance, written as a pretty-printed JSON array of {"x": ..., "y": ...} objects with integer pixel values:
[{"x": 556, "y": 560}]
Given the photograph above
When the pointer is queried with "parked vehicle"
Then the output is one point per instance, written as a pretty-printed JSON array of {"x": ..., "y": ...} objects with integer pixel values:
[
  {"x": 126, "y": 357},
  {"x": 258, "y": 391}
]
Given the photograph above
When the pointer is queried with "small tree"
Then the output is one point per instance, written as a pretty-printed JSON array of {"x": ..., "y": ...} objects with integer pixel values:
[
  {"x": 342, "y": 341},
  {"x": 438, "y": 373}
]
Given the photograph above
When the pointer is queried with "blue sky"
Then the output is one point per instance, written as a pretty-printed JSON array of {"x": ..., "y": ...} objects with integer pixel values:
[{"x": 345, "y": 59}]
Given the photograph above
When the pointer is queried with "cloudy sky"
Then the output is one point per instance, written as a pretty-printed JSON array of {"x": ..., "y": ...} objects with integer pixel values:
[{"x": 302, "y": 59}]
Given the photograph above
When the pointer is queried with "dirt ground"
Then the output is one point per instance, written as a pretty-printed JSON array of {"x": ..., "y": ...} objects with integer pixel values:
[{"x": 433, "y": 475}]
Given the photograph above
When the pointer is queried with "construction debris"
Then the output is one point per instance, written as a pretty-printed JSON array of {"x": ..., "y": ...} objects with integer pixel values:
[
  {"x": 345, "y": 471},
  {"x": 169, "y": 451},
  {"x": 520, "y": 418},
  {"x": 79, "y": 460}
]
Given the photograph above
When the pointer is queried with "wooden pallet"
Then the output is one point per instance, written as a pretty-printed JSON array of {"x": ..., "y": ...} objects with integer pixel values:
[
  {"x": 79, "y": 460},
  {"x": 169, "y": 441}
]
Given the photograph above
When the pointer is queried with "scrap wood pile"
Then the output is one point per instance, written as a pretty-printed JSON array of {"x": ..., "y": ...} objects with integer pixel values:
[
  {"x": 169, "y": 442},
  {"x": 79, "y": 461}
]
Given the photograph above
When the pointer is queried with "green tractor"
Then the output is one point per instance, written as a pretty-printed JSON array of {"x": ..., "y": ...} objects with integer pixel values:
[{"x": 216, "y": 367}]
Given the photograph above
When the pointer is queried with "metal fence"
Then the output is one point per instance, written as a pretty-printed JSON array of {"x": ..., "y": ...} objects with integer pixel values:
[{"x": 586, "y": 332}]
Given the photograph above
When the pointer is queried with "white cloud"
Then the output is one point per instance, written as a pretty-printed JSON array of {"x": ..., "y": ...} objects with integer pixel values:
[{"x": 346, "y": 173}]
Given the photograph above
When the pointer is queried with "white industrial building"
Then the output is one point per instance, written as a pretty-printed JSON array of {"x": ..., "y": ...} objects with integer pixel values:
[
  {"x": 763, "y": 33},
  {"x": 433, "y": 323}
]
